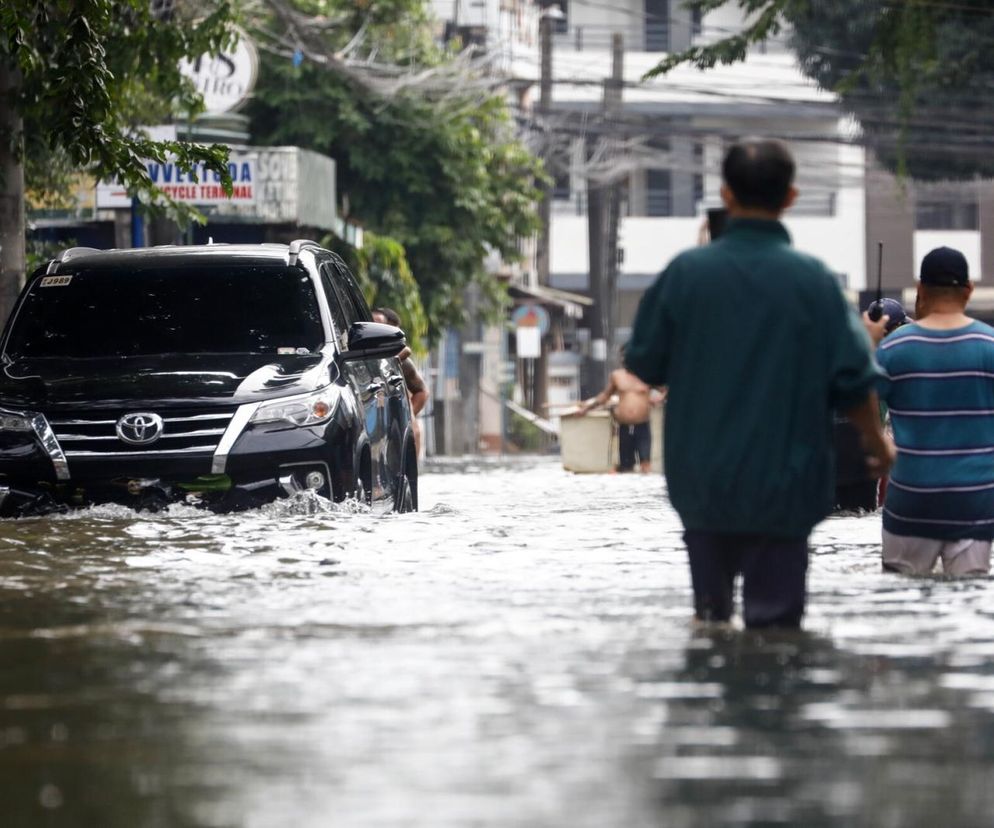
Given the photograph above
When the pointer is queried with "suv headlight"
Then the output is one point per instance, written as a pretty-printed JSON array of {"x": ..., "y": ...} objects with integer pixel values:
[
  {"x": 303, "y": 410},
  {"x": 15, "y": 421}
]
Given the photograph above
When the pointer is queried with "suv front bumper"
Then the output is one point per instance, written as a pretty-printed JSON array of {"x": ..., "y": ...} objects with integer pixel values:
[{"x": 251, "y": 464}]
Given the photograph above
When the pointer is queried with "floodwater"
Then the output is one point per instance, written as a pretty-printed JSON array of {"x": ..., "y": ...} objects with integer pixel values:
[{"x": 519, "y": 653}]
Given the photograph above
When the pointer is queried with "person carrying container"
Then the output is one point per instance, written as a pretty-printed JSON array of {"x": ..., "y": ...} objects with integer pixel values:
[
  {"x": 757, "y": 345},
  {"x": 632, "y": 412},
  {"x": 938, "y": 383}
]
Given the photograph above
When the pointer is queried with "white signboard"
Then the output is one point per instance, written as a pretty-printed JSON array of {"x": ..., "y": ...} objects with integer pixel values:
[
  {"x": 272, "y": 185},
  {"x": 529, "y": 344},
  {"x": 225, "y": 80},
  {"x": 203, "y": 187}
]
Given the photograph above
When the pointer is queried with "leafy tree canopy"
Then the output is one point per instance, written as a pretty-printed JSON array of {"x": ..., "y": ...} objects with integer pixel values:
[
  {"x": 90, "y": 70},
  {"x": 916, "y": 73},
  {"x": 441, "y": 172},
  {"x": 386, "y": 280}
]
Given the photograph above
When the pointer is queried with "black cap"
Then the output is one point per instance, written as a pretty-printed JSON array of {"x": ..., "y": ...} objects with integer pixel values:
[{"x": 945, "y": 266}]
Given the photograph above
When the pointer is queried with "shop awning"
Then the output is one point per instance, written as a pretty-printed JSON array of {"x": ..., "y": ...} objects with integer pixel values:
[{"x": 571, "y": 304}]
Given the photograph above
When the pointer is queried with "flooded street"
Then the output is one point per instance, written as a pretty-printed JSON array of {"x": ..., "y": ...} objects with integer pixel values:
[{"x": 519, "y": 653}]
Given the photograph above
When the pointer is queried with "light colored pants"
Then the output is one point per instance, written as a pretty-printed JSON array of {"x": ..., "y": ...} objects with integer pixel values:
[{"x": 917, "y": 556}]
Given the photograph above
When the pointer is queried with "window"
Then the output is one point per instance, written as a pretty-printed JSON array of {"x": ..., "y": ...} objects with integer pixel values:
[
  {"x": 947, "y": 214},
  {"x": 334, "y": 304},
  {"x": 659, "y": 193},
  {"x": 657, "y": 25},
  {"x": 560, "y": 25},
  {"x": 696, "y": 21},
  {"x": 355, "y": 296},
  {"x": 560, "y": 186},
  {"x": 179, "y": 310},
  {"x": 342, "y": 285}
]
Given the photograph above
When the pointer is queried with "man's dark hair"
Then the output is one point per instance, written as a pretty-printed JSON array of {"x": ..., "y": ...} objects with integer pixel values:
[
  {"x": 390, "y": 315},
  {"x": 760, "y": 172}
]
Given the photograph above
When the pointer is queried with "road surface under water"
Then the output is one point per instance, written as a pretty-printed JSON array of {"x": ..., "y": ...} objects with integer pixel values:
[{"x": 517, "y": 654}]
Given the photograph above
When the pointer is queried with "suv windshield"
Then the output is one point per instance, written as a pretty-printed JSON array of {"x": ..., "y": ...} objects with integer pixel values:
[{"x": 110, "y": 313}]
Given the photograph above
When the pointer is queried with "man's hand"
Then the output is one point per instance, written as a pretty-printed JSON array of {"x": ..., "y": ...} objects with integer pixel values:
[
  {"x": 877, "y": 330},
  {"x": 878, "y": 445},
  {"x": 881, "y": 457}
]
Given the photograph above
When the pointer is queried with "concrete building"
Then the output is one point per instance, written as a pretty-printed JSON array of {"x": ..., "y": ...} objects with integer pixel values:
[{"x": 660, "y": 143}]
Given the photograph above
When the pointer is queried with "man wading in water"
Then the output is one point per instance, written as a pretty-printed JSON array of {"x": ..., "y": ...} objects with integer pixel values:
[
  {"x": 635, "y": 401},
  {"x": 757, "y": 345},
  {"x": 937, "y": 382}
]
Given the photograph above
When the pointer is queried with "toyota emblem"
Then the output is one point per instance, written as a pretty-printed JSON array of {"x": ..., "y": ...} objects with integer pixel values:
[{"x": 139, "y": 429}]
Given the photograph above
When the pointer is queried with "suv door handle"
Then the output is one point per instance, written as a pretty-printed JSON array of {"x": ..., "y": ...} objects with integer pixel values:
[
  {"x": 395, "y": 381},
  {"x": 375, "y": 386}
]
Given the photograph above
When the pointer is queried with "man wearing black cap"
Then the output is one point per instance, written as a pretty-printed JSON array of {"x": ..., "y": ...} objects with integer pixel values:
[
  {"x": 757, "y": 345},
  {"x": 938, "y": 384}
]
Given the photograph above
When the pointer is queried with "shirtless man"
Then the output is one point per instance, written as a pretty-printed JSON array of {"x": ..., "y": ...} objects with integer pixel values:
[{"x": 635, "y": 400}]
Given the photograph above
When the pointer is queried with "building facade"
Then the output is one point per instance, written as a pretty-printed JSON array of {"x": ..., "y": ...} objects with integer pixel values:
[{"x": 656, "y": 146}]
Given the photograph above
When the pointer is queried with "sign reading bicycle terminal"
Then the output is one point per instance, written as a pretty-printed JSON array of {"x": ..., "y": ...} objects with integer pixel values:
[{"x": 201, "y": 186}]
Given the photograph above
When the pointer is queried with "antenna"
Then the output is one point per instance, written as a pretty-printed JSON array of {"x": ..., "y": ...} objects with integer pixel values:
[
  {"x": 876, "y": 310},
  {"x": 880, "y": 271}
]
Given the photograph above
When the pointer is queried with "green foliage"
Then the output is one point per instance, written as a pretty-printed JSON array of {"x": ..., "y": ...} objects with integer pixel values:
[
  {"x": 919, "y": 92},
  {"x": 445, "y": 178},
  {"x": 912, "y": 72},
  {"x": 525, "y": 436},
  {"x": 38, "y": 252},
  {"x": 386, "y": 280},
  {"x": 91, "y": 69}
]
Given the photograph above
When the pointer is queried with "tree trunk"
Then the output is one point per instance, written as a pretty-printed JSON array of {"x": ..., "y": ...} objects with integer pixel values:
[{"x": 12, "y": 252}]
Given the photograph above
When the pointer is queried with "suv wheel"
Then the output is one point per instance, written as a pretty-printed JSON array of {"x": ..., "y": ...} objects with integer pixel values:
[{"x": 404, "y": 501}]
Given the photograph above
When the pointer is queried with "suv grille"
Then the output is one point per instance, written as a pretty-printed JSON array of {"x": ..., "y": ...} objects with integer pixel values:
[{"x": 94, "y": 434}]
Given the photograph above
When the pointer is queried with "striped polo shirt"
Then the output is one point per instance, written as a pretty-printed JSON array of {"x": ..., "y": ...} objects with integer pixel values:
[{"x": 939, "y": 386}]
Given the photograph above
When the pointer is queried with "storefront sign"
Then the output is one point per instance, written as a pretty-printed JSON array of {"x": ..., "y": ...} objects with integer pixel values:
[
  {"x": 272, "y": 185},
  {"x": 202, "y": 186},
  {"x": 225, "y": 80}
]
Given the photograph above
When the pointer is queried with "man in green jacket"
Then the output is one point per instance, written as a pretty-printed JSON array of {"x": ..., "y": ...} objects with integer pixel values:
[{"x": 758, "y": 347}]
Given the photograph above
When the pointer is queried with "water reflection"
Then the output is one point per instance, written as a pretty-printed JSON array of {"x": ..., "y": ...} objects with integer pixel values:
[
  {"x": 790, "y": 730},
  {"x": 518, "y": 653}
]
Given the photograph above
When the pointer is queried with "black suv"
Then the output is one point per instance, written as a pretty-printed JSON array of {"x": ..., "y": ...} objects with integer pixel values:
[{"x": 227, "y": 375}]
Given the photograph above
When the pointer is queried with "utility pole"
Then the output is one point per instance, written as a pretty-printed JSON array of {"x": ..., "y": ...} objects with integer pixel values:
[
  {"x": 603, "y": 217},
  {"x": 542, "y": 257},
  {"x": 540, "y": 381},
  {"x": 613, "y": 89},
  {"x": 598, "y": 262}
]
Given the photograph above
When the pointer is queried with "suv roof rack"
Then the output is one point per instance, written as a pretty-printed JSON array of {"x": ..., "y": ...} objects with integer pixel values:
[
  {"x": 66, "y": 255},
  {"x": 296, "y": 246}
]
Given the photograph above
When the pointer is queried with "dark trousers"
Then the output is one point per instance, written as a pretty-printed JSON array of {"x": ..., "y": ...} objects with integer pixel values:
[
  {"x": 634, "y": 440},
  {"x": 856, "y": 496},
  {"x": 773, "y": 573}
]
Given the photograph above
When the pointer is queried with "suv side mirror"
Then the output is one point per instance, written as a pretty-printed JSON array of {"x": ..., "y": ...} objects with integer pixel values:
[{"x": 371, "y": 339}]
